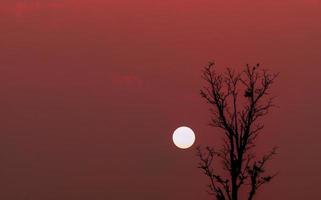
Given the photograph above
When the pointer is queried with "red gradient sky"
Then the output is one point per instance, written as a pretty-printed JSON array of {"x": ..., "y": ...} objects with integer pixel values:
[{"x": 91, "y": 91}]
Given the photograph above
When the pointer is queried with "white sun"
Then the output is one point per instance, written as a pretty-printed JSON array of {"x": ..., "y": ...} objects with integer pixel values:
[{"x": 183, "y": 137}]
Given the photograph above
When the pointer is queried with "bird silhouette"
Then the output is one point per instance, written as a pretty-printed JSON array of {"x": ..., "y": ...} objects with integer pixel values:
[{"x": 248, "y": 93}]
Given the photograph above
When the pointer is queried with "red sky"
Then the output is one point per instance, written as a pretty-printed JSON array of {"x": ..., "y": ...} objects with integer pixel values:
[{"x": 91, "y": 92}]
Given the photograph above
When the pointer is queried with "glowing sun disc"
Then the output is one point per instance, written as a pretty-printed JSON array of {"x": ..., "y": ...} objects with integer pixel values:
[{"x": 183, "y": 137}]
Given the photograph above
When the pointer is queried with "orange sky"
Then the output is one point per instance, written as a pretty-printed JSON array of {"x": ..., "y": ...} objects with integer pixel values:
[{"x": 92, "y": 90}]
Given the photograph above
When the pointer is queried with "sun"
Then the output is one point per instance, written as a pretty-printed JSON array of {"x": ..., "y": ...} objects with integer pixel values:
[{"x": 183, "y": 137}]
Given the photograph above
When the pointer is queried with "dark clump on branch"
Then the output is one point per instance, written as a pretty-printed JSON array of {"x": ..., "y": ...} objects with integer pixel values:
[{"x": 238, "y": 116}]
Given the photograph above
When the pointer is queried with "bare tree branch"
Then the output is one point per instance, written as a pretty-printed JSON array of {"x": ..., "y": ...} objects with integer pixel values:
[{"x": 237, "y": 103}]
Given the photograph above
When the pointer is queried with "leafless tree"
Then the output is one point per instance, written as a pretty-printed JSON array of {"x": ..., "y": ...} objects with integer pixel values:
[{"x": 237, "y": 101}]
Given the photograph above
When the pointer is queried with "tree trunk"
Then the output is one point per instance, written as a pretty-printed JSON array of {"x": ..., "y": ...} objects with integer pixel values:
[{"x": 234, "y": 189}]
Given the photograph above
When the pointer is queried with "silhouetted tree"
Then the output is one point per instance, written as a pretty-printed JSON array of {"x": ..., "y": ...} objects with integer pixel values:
[{"x": 238, "y": 100}]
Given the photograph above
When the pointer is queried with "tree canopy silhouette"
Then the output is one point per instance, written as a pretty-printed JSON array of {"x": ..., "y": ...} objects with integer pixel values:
[{"x": 238, "y": 101}]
